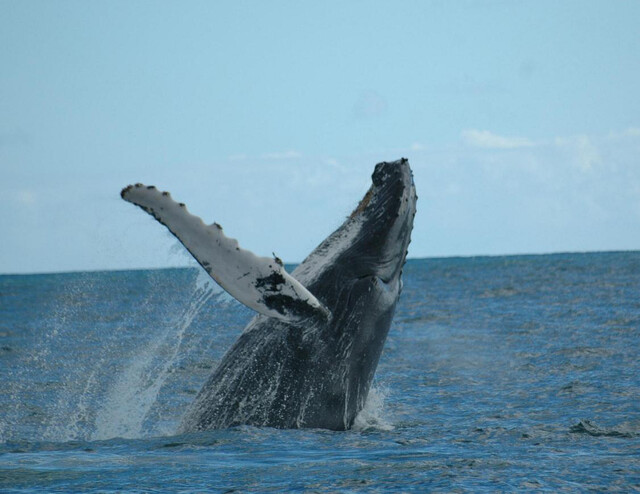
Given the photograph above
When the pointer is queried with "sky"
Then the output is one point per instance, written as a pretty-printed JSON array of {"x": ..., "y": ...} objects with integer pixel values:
[{"x": 520, "y": 119}]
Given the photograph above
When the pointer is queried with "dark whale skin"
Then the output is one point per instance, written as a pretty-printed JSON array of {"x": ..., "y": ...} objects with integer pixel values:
[{"x": 317, "y": 373}]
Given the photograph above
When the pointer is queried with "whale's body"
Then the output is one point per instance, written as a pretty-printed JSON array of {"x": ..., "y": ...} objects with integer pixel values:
[{"x": 308, "y": 358}]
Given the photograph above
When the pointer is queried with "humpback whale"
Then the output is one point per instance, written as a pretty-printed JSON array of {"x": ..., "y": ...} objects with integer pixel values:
[{"x": 308, "y": 357}]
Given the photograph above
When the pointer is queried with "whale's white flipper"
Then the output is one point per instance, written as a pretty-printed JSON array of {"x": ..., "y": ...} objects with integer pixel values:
[{"x": 260, "y": 283}]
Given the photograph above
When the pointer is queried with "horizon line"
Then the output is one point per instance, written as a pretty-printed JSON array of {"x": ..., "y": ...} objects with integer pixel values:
[{"x": 195, "y": 265}]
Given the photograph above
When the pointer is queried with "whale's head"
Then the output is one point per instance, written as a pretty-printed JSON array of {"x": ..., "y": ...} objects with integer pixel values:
[
  {"x": 356, "y": 273},
  {"x": 372, "y": 243},
  {"x": 385, "y": 217}
]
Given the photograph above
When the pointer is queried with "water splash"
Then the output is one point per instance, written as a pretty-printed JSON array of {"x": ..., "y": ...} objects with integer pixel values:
[
  {"x": 372, "y": 416},
  {"x": 134, "y": 392},
  {"x": 100, "y": 350},
  {"x": 36, "y": 395}
]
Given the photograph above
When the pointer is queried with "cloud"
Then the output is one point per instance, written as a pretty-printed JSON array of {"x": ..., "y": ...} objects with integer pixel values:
[
  {"x": 629, "y": 132},
  {"x": 488, "y": 140},
  {"x": 564, "y": 193}
]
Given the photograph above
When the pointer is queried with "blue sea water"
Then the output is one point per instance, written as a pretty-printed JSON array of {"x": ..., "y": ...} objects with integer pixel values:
[{"x": 499, "y": 374}]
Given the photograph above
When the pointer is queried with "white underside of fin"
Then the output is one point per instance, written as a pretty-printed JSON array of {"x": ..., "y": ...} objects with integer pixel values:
[{"x": 260, "y": 283}]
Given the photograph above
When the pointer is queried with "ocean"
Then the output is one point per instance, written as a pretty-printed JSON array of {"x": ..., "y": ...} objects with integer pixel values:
[{"x": 516, "y": 373}]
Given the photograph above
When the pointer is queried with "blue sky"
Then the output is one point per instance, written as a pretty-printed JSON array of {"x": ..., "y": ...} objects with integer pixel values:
[{"x": 521, "y": 121}]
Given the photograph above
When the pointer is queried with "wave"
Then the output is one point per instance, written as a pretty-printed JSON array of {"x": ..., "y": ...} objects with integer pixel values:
[{"x": 591, "y": 429}]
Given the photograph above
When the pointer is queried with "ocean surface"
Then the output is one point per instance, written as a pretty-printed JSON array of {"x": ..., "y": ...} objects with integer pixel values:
[{"x": 499, "y": 374}]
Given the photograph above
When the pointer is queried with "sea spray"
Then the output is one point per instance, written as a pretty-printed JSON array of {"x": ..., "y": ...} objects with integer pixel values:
[
  {"x": 135, "y": 389},
  {"x": 97, "y": 350},
  {"x": 48, "y": 334},
  {"x": 373, "y": 414}
]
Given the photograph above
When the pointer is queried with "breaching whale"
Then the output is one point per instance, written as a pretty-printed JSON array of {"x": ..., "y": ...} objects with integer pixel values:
[{"x": 307, "y": 359}]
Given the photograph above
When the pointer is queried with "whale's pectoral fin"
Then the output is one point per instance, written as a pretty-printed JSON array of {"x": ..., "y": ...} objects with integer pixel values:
[{"x": 260, "y": 283}]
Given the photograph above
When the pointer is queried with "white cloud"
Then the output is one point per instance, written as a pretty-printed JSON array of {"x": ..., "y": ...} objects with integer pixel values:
[
  {"x": 488, "y": 140},
  {"x": 574, "y": 192},
  {"x": 628, "y": 133}
]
